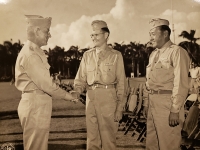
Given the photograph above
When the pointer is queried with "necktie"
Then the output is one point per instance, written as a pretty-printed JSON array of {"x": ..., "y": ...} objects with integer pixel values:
[{"x": 157, "y": 56}]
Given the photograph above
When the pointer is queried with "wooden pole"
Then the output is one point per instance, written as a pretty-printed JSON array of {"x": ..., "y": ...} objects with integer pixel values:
[{"x": 172, "y": 21}]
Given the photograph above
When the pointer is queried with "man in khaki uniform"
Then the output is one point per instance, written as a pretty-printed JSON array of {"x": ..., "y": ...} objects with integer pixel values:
[
  {"x": 101, "y": 71},
  {"x": 33, "y": 79},
  {"x": 167, "y": 85}
]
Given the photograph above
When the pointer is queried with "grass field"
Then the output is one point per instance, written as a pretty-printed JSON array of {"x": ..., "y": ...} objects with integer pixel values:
[{"x": 68, "y": 129}]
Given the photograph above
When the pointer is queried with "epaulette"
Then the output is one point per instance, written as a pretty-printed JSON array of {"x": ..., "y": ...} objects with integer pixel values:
[
  {"x": 115, "y": 51},
  {"x": 90, "y": 50}
]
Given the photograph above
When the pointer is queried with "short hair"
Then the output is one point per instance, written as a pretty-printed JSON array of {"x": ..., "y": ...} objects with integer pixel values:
[
  {"x": 105, "y": 29},
  {"x": 165, "y": 28}
]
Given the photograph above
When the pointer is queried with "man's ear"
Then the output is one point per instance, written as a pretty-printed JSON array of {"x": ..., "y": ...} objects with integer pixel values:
[
  {"x": 166, "y": 33},
  {"x": 37, "y": 31},
  {"x": 106, "y": 35}
]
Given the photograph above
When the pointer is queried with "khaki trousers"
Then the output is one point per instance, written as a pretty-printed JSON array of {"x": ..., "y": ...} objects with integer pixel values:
[
  {"x": 101, "y": 128},
  {"x": 160, "y": 136},
  {"x": 34, "y": 112}
]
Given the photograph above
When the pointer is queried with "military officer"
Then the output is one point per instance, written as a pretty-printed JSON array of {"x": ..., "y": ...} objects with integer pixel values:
[
  {"x": 101, "y": 71},
  {"x": 33, "y": 79},
  {"x": 167, "y": 85}
]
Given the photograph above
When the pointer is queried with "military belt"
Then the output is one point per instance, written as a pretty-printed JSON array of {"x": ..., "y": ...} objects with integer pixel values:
[
  {"x": 161, "y": 92},
  {"x": 94, "y": 86}
]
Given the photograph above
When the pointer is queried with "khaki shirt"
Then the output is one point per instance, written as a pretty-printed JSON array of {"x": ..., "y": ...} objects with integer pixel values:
[
  {"x": 169, "y": 72},
  {"x": 32, "y": 72},
  {"x": 105, "y": 68}
]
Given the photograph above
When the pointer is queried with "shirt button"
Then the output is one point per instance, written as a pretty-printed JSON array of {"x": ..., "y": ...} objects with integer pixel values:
[
  {"x": 151, "y": 70},
  {"x": 155, "y": 61},
  {"x": 149, "y": 78}
]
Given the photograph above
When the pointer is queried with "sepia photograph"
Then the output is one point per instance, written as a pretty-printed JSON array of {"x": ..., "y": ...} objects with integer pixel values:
[{"x": 99, "y": 74}]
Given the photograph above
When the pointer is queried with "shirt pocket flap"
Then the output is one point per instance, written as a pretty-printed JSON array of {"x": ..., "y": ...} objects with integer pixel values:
[
  {"x": 108, "y": 67},
  {"x": 165, "y": 63},
  {"x": 109, "y": 64}
]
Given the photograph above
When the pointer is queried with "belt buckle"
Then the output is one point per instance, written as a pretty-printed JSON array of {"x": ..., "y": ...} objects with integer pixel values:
[
  {"x": 151, "y": 92},
  {"x": 94, "y": 86}
]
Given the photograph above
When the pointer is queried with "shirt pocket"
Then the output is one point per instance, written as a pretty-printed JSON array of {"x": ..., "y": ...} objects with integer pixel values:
[
  {"x": 90, "y": 73},
  {"x": 108, "y": 74},
  {"x": 164, "y": 70},
  {"x": 165, "y": 64}
]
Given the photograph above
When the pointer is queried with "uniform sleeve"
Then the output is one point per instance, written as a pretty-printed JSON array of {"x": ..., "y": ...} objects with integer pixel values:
[
  {"x": 39, "y": 74},
  {"x": 145, "y": 96},
  {"x": 121, "y": 83},
  {"x": 81, "y": 77},
  {"x": 146, "y": 87},
  {"x": 181, "y": 83}
]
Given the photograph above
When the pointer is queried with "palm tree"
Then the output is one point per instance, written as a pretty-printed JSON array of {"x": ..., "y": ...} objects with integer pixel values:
[
  {"x": 193, "y": 50},
  {"x": 141, "y": 59},
  {"x": 59, "y": 54},
  {"x": 75, "y": 58},
  {"x": 191, "y": 47},
  {"x": 2, "y": 61},
  {"x": 8, "y": 60},
  {"x": 189, "y": 36},
  {"x": 16, "y": 48}
]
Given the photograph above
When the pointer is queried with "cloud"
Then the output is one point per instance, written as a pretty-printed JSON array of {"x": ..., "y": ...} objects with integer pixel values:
[
  {"x": 125, "y": 22},
  {"x": 120, "y": 21},
  {"x": 77, "y": 33},
  {"x": 123, "y": 9},
  {"x": 177, "y": 16}
]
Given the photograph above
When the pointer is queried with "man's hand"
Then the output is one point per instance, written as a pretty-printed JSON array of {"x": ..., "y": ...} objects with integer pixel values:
[
  {"x": 75, "y": 100},
  {"x": 173, "y": 119},
  {"x": 145, "y": 111},
  {"x": 117, "y": 116},
  {"x": 75, "y": 95}
]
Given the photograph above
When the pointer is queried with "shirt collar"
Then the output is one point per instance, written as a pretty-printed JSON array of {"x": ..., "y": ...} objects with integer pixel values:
[
  {"x": 35, "y": 48},
  {"x": 102, "y": 51},
  {"x": 165, "y": 46}
]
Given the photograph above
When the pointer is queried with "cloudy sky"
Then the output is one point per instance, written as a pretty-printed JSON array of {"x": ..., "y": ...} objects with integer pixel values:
[{"x": 71, "y": 19}]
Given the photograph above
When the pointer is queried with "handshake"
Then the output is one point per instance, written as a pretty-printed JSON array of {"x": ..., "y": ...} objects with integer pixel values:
[
  {"x": 74, "y": 96},
  {"x": 77, "y": 97}
]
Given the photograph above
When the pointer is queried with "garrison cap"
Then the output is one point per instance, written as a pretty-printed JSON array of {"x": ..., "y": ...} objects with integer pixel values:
[
  {"x": 158, "y": 22},
  {"x": 99, "y": 24},
  {"x": 36, "y": 20}
]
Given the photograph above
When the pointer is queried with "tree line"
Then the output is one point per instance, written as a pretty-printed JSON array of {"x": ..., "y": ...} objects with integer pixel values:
[{"x": 135, "y": 56}]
